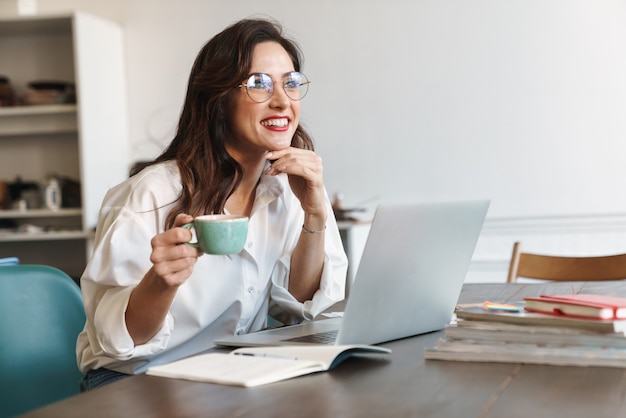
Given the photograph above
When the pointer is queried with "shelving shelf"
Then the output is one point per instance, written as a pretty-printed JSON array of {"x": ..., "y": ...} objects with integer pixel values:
[
  {"x": 6, "y": 112},
  {"x": 45, "y": 215},
  {"x": 43, "y": 236},
  {"x": 38, "y": 120},
  {"x": 40, "y": 213}
]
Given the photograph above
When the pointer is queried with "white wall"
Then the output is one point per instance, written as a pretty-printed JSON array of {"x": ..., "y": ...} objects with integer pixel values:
[{"x": 520, "y": 101}]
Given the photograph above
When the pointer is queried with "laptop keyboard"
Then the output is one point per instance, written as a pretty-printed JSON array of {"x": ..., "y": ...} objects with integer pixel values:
[{"x": 327, "y": 337}]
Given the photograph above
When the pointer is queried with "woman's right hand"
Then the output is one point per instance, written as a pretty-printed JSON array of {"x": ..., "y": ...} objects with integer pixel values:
[{"x": 173, "y": 261}]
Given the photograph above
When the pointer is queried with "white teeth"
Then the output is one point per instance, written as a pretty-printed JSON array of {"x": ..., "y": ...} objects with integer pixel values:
[{"x": 275, "y": 122}]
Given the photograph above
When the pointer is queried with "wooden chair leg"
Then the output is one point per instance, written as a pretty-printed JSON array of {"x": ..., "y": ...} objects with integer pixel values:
[{"x": 513, "y": 266}]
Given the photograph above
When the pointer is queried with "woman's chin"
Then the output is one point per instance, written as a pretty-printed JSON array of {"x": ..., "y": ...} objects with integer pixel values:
[{"x": 279, "y": 146}]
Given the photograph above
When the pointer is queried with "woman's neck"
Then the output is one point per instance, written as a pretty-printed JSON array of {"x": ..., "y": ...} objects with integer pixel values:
[{"x": 241, "y": 201}]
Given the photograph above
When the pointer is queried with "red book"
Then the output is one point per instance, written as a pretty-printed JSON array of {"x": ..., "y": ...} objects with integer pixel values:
[{"x": 580, "y": 305}]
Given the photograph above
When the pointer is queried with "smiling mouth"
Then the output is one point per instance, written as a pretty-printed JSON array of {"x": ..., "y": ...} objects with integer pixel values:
[{"x": 281, "y": 123}]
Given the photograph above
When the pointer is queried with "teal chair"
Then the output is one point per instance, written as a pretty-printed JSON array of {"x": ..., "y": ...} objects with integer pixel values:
[{"x": 41, "y": 315}]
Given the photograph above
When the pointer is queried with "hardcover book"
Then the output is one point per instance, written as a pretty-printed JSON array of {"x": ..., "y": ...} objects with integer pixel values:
[{"x": 579, "y": 305}]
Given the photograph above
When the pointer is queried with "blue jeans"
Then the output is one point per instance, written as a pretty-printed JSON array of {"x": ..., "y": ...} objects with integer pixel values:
[{"x": 99, "y": 377}]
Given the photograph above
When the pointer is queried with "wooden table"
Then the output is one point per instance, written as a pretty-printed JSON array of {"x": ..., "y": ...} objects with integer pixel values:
[{"x": 404, "y": 385}]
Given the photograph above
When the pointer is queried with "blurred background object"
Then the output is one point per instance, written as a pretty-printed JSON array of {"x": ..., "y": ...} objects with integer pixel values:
[
  {"x": 7, "y": 95},
  {"x": 4, "y": 195},
  {"x": 342, "y": 213},
  {"x": 49, "y": 92}
]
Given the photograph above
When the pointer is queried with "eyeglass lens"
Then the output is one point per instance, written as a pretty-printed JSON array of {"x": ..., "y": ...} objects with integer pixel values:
[{"x": 260, "y": 86}]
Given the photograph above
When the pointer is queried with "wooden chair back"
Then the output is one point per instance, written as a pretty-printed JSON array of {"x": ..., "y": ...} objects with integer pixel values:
[{"x": 547, "y": 267}]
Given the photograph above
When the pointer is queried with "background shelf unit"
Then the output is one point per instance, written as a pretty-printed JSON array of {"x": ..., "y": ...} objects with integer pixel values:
[{"x": 86, "y": 141}]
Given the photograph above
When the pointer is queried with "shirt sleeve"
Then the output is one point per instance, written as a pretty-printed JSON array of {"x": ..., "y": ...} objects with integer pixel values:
[
  {"x": 332, "y": 283},
  {"x": 121, "y": 258}
]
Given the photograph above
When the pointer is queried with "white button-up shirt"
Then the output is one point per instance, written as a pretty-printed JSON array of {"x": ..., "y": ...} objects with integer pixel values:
[{"x": 225, "y": 295}]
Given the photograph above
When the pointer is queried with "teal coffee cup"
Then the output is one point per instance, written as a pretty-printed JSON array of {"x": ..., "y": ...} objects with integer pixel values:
[{"x": 219, "y": 234}]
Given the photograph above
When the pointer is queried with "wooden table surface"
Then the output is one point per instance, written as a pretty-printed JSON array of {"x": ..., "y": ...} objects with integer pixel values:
[{"x": 402, "y": 385}]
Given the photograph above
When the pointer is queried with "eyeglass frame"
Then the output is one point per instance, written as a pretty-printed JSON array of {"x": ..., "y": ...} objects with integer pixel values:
[{"x": 244, "y": 84}]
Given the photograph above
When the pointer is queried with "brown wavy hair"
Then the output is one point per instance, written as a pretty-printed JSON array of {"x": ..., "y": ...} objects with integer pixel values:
[{"x": 208, "y": 173}]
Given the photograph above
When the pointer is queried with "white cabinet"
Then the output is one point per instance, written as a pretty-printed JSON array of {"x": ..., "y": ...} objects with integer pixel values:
[{"x": 86, "y": 141}]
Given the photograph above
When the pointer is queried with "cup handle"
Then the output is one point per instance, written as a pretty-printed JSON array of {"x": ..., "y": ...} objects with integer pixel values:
[{"x": 189, "y": 226}]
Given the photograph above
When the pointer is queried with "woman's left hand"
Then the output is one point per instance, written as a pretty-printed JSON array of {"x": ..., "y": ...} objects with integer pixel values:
[{"x": 305, "y": 171}]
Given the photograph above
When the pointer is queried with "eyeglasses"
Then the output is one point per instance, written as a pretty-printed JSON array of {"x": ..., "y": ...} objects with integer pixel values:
[{"x": 260, "y": 86}]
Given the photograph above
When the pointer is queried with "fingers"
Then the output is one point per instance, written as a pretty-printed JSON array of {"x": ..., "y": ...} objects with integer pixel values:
[
  {"x": 169, "y": 246},
  {"x": 175, "y": 273},
  {"x": 182, "y": 218},
  {"x": 305, "y": 171},
  {"x": 172, "y": 260},
  {"x": 174, "y": 236},
  {"x": 298, "y": 162}
]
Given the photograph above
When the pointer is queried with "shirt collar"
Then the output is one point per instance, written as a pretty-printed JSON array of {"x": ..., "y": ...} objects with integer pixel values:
[{"x": 270, "y": 188}]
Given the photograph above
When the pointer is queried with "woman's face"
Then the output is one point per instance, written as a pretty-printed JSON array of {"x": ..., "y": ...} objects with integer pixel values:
[{"x": 267, "y": 126}]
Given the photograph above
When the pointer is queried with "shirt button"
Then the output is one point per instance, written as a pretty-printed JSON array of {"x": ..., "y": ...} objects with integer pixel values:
[
  {"x": 251, "y": 289},
  {"x": 239, "y": 332},
  {"x": 250, "y": 245}
]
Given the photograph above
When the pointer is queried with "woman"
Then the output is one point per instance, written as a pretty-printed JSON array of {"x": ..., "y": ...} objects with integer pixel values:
[{"x": 239, "y": 149}]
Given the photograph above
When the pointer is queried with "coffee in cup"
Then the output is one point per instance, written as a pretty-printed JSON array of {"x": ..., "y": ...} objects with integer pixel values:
[{"x": 219, "y": 234}]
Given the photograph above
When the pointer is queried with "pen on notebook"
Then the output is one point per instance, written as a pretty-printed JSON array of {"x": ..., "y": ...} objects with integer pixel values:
[{"x": 267, "y": 355}]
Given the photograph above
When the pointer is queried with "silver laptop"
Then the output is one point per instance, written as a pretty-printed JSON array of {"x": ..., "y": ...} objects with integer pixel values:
[{"x": 408, "y": 281}]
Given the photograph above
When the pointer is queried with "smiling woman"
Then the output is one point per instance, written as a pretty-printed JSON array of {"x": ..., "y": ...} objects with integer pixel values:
[{"x": 239, "y": 149}]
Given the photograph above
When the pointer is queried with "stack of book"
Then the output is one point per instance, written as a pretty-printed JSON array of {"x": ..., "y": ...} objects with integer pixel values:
[{"x": 579, "y": 330}]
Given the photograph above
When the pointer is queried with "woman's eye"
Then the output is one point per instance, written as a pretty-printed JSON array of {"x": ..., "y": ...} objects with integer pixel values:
[{"x": 260, "y": 82}]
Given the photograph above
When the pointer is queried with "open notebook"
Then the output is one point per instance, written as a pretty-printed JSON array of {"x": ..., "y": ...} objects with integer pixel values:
[
  {"x": 255, "y": 366},
  {"x": 408, "y": 281}
]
